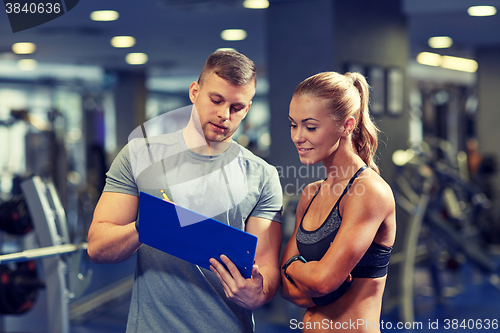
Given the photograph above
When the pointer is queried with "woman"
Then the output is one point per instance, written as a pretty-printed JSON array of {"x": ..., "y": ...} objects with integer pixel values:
[{"x": 335, "y": 263}]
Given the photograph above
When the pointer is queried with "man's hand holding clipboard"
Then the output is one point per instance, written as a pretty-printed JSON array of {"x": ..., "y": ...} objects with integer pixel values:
[{"x": 193, "y": 237}]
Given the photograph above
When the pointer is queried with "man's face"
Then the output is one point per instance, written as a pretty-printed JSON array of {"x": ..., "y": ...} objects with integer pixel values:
[{"x": 221, "y": 106}]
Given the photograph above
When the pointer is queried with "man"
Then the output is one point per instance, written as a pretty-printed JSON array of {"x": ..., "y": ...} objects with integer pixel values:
[{"x": 202, "y": 169}]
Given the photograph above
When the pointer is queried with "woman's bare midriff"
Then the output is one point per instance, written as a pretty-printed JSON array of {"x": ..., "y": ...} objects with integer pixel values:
[{"x": 358, "y": 310}]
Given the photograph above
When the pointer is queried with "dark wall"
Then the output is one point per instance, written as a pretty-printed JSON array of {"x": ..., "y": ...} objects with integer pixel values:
[{"x": 307, "y": 37}]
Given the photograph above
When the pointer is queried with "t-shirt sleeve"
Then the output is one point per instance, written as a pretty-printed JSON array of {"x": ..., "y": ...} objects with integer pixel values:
[
  {"x": 120, "y": 177},
  {"x": 270, "y": 205}
]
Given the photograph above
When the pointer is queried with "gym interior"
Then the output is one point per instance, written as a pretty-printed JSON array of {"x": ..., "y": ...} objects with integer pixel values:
[{"x": 71, "y": 94}]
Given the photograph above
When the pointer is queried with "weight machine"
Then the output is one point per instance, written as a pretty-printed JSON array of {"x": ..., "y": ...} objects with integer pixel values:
[
  {"x": 442, "y": 210},
  {"x": 61, "y": 260}
]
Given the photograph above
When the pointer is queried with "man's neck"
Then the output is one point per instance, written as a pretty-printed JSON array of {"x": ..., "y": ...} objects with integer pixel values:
[{"x": 196, "y": 142}]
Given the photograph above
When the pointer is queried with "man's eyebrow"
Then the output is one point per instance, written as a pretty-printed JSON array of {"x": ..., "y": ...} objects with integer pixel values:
[
  {"x": 239, "y": 104},
  {"x": 215, "y": 94}
]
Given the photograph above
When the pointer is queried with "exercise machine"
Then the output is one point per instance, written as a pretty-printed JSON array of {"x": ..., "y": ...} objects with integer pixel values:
[
  {"x": 441, "y": 213},
  {"x": 61, "y": 260}
]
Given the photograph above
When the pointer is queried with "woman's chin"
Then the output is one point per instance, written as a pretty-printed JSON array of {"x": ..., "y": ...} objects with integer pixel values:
[{"x": 307, "y": 161}]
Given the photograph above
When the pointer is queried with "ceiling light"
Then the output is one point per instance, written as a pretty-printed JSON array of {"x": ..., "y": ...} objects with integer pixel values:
[
  {"x": 256, "y": 4},
  {"x": 225, "y": 49},
  {"x": 459, "y": 64},
  {"x": 440, "y": 42},
  {"x": 136, "y": 58},
  {"x": 104, "y": 15},
  {"x": 27, "y": 64},
  {"x": 123, "y": 41},
  {"x": 429, "y": 59},
  {"x": 23, "y": 48},
  {"x": 482, "y": 11},
  {"x": 449, "y": 62},
  {"x": 233, "y": 34}
]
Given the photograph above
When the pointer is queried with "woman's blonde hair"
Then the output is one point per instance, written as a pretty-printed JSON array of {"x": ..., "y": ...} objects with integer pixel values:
[{"x": 346, "y": 95}]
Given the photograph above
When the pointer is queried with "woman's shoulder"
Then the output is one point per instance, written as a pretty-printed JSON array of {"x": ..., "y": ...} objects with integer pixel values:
[{"x": 372, "y": 186}]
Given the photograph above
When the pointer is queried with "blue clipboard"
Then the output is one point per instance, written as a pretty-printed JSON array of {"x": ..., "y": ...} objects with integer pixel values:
[{"x": 200, "y": 239}]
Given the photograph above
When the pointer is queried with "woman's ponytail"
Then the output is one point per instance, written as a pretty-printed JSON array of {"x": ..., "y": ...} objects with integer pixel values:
[{"x": 365, "y": 135}]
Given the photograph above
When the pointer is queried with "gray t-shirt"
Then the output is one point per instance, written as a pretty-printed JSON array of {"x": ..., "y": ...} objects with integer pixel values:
[{"x": 170, "y": 294}]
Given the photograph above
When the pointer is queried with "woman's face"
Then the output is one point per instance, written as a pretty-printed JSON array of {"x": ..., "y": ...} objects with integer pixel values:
[{"x": 313, "y": 130}]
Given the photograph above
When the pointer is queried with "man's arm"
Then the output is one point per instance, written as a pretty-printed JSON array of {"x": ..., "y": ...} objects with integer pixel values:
[
  {"x": 261, "y": 287},
  {"x": 112, "y": 234}
]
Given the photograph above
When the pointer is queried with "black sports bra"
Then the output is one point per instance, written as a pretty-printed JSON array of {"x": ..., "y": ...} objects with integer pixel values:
[{"x": 312, "y": 245}]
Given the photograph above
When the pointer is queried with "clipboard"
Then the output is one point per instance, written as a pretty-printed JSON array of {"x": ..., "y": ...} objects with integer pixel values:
[{"x": 200, "y": 239}]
